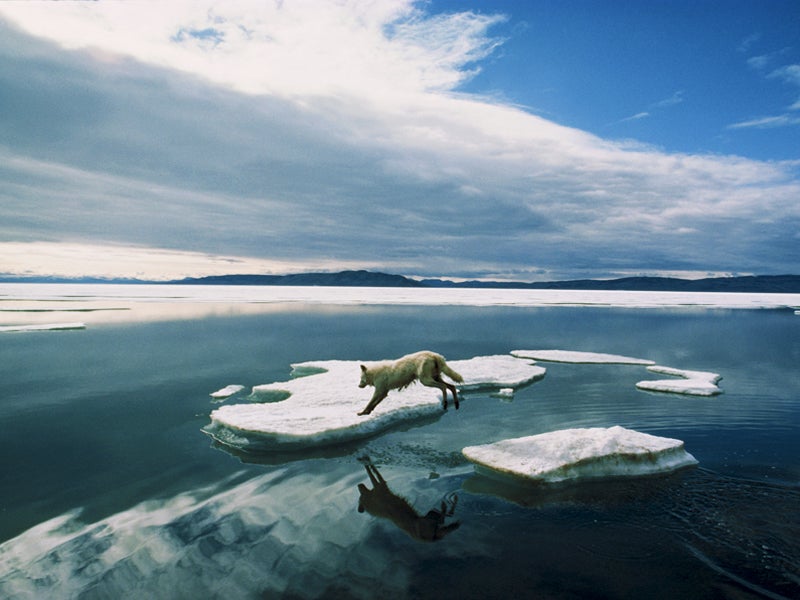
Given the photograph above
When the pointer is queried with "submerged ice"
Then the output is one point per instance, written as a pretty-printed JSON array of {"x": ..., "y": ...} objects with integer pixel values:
[
  {"x": 319, "y": 406},
  {"x": 580, "y": 454}
]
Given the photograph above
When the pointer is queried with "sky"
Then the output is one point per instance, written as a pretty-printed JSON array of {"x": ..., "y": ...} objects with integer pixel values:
[{"x": 532, "y": 141}]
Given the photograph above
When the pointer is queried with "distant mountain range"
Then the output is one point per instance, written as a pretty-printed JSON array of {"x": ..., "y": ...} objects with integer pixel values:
[{"x": 760, "y": 283}]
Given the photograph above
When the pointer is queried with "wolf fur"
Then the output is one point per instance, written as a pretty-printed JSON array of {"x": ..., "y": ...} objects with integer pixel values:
[{"x": 426, "y": 367}]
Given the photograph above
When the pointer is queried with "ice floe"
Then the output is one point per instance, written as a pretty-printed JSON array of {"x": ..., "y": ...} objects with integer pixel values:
[
  {"x": 580, "y": 454},
  {"x": 227, "y": 391},
  {"x": 318, "y": 407},
  {"x": 498, "y": 371},
  {"x": 572, "y": 356},
  {"x": 43, "y": 327},
  {"x": 694, "y": 383}
]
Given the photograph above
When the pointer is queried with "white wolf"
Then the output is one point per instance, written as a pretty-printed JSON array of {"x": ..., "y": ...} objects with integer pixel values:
[{"x": 425, "y": 366}]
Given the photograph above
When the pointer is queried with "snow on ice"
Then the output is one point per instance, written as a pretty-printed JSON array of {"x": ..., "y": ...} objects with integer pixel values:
[
  {"x": 319, "y": 406},
  {"x": 499, "y": 371},
  {"x": 695, "y": 383},
  {"x": 580, "y": 454},
  {"x": 571, "y": 356}
]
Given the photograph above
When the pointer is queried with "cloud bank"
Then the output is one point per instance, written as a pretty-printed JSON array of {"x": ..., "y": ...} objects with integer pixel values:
[{"x": 288, "y": 135}]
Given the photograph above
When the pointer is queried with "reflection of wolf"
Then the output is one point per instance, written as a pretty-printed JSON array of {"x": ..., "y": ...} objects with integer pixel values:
[
  {"x": 425, "y": 366},
  {"x": 381, "y": 502}
]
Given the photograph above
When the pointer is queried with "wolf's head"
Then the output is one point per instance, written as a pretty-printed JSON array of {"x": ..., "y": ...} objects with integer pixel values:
[{"x": 366, "y": 377}]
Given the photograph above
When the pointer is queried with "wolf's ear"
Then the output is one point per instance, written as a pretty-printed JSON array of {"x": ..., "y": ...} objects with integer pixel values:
[{"x": 363, "y": 368}]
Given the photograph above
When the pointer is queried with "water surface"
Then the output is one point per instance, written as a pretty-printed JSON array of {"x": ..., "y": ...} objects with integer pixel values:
[{"x": 110, "y": 488}]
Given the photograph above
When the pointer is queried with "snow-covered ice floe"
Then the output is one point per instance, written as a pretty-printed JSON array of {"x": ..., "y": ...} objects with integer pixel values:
[
  {"x": 43, "y": 327},
  {"x": 694, "y": 383},
  {"x": 318, "y": 406},
  {"x": 572, "y": 454},
  {"x": 572, "y": 356},
  {"x": 498, "y": 371},
  {"x": 227, "y": 391}
]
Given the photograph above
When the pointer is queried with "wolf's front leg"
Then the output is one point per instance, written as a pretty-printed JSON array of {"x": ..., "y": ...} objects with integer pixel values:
[{"x": 376, "y": 398}]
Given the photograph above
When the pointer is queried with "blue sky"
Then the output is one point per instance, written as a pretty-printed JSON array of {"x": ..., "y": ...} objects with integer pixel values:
[
  {"x": 499, "y": 140},
  {"x": 696, "y": 76}
]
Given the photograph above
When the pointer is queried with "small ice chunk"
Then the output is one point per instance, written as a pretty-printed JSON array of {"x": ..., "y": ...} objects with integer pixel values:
[
  {"x": 504, "y": 393},
  {"x": 571, "y": 356},
  {"x": 694, "y": 383},
  {"x": 43, "y": 327},
  {"x": 227, "y": 391},
  {"x": 498, "y": 371},
  {"x": 580, "y": 454}
]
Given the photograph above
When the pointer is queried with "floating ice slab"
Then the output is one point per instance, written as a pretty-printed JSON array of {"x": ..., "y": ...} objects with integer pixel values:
[
  {"x": 694, "y": 383},
  {"x": 43, "y": 327},
  {"x": 499, "y": 371},
  {"x": 318, "y": 406},
  {"x": 317, "y": 410},
  {"x": 227, "y": 391},
  {"x": 580, "y": 454},
  {"x": 571, "y": 356}
]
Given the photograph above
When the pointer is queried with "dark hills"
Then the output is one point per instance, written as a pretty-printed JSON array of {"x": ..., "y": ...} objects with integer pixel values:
[{"x": 754, "y": 284}]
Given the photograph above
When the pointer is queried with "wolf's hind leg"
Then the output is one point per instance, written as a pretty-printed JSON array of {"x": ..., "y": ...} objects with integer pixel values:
[
  {"x": 435, "y": 381},
  {"x": 453, "y": 391}
]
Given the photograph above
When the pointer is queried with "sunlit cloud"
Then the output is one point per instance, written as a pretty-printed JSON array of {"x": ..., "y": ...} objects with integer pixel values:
[
  {"x": 108, "y": 261},
  {"x": 305, "y": 136}
]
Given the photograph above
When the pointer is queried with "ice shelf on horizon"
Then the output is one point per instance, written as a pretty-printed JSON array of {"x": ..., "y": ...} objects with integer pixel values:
[{"x": 572, "y": 454}]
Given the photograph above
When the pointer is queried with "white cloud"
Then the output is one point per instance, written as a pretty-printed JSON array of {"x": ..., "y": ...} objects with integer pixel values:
[
  {"x": 66, "y": 259},
  {"x": 676, "y": 98},
  {"x": 790, "y": 75},
  {"x": 344, "y": 142},
  {"x": 299, "y": 48},
  {"x": 766, "y": 122}
]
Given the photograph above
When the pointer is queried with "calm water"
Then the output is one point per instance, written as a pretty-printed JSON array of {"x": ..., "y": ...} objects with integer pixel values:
[{"x": 109, "y": 488}]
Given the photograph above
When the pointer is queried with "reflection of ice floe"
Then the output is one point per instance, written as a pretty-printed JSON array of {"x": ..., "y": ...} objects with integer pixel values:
[
  {"x": 580, "y": 454},
  {"x": 695, "y": 383},
  {"x": 571, "y": 356},
  {"x": 320, "y": 408},
  {"x": 43, "y": 327},
  {"x": 227, "y": 391}
]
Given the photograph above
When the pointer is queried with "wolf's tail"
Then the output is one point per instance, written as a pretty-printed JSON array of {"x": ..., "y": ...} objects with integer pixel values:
[{"x": 450, "y": 373}]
